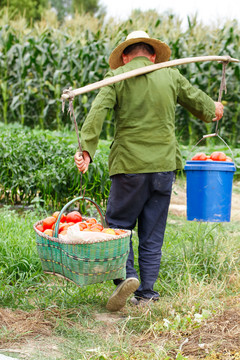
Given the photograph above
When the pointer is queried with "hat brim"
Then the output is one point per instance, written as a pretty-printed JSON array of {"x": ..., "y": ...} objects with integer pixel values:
[{"x": 161, "y": 49}]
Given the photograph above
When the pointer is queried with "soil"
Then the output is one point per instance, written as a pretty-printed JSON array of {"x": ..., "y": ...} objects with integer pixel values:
[
  {"x": 221, "y": 334},
  {"x": 33, "y": 332}
]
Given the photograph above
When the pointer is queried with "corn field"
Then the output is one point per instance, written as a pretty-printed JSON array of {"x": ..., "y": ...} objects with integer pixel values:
[{"x": 37, "y": 63}]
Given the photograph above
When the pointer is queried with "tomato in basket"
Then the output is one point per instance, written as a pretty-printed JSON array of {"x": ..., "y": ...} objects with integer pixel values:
[
  {"x": 82, "y": 226},
  {"x": 109, "y": 231},
  {"x": 74, "y": 216},
  {"x": 96, "y": 227},
  {"x": 119, "y": 231},
  {"x": 56, "y": 214},
  {"x": 48, "y": 222},
  {"x": 48, "y": 232},
  {"x": 64, "y": 226},
  {"x": 40, "y": 228},
  {"x": 91, "y": 221}
]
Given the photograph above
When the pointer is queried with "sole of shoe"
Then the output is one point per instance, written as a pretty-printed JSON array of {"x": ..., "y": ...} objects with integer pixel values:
[{"x": 118, "y": 299}]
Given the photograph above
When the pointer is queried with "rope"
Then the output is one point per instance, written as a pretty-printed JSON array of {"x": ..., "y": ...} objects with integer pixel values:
[
  {"x": 223, "y": 87},
  {"x": 72, "y": 115},
  {"x": 71, "y": 112}
]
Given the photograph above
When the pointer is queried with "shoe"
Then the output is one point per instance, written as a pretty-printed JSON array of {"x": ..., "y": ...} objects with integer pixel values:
[
  {"x": 119, "y": 297},
  {"x": 141, "y": 301}
]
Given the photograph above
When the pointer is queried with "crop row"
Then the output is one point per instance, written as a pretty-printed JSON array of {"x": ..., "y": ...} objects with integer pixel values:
[
  {"x": 37, "y": 167},
  {"x": 36, "y": 66}
]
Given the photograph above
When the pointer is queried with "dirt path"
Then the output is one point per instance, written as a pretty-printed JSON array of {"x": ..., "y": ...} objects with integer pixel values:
[{"x": 217, "y": 339}]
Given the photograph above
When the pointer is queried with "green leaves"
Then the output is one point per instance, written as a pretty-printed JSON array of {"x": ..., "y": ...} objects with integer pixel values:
[
  {"x": 39, "y": 165},
  {"x": 32, "y": 9},
  {"x": 36, "y": 66}
]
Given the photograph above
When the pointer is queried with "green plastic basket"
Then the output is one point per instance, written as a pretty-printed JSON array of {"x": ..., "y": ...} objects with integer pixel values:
[{"x": 83, "y": 263}]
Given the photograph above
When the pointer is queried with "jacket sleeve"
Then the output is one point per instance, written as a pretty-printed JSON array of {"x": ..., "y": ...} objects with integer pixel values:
[
  {"x": 93, "y": 124},
  {"x": 195, "y": 100}
]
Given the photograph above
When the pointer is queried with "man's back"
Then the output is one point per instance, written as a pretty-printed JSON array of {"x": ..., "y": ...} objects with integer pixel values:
[{"x": 144, "y": 140}]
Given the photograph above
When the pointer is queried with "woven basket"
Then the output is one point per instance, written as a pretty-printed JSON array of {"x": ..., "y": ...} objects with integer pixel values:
[{"x": 83, "y": 263}]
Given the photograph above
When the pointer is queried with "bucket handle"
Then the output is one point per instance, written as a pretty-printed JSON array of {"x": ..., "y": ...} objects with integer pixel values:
[
  {"x": 222, "y": 87},
  {"x": 217, "y": 135},
  {"x": 103, "y": 221}
]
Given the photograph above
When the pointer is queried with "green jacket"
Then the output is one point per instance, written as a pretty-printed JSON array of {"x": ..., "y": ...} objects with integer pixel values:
[{"x": 144, "y": 140}]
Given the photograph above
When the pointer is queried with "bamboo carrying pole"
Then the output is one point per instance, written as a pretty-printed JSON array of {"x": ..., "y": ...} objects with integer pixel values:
[{"x": 69, "y": 94}]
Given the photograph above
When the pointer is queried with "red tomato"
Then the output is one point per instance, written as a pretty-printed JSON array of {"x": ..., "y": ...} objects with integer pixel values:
[
  {"x": 91, "y": 221},
  {"x": 119, "y": 232},
  {"x": 229, "y": 159},
  {"x": 200, "y": 156},
  {"x": 48, "y": 232},
  {"x": 218, "y": 156},
  {"x": 82, "y": 226},
  {"x": 56, "y": 214},
  {"x": 65, "y": 227},
  {"x": 61, "y": 226},
  {"x": 74, "y": 217},
  {"x": 97, "y": 226},
  {"x": 40, "y": 228},
  {"x": 94, "y": 229},
  {"x": 53, "y": 227},
  {"x": 48, "y": 222}
]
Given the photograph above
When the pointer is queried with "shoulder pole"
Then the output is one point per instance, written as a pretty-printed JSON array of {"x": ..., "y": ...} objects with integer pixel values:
[{"x": 70, "y": 94}]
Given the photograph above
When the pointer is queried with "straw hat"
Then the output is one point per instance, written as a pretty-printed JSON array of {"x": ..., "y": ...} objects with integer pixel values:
[{"x": 162, "y": 50}]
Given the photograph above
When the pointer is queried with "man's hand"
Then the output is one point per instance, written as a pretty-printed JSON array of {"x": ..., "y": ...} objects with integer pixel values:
[
  {"x": 218, "y": 111},
  {"x": 83, "y": 161}
]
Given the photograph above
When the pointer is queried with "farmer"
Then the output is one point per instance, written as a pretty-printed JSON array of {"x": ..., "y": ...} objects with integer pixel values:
[{"x": 144, "y": 153}]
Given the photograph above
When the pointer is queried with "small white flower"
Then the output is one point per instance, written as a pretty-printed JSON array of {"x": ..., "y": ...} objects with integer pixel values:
[
  {"x": 204, "y": 347},
  {"x": 206, "y": 314},
  {"x": 198, "y": 317},
  {"x": 166, "y": 323},
  {"x": 178, "y": 319}
]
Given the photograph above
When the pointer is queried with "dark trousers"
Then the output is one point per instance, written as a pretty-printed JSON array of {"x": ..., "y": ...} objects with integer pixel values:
[{"x": 146, "y": 198}]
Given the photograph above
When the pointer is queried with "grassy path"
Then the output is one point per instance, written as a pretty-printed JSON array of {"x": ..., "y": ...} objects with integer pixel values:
[{"x": 198, "y": 315}]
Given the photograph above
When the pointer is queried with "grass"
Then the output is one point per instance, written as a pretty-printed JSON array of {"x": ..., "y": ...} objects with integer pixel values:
[{"x": 199, "y": 274}]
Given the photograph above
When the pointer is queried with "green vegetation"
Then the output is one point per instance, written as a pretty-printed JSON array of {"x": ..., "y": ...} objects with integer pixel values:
[
  {"x": 33, "y": 10},
  {"x": 38, "y": 63},
  {"x": 37, "y": 167}
]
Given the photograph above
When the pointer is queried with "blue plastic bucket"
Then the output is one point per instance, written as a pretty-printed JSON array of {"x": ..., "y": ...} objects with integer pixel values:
[{"x": 209, "y": 190}]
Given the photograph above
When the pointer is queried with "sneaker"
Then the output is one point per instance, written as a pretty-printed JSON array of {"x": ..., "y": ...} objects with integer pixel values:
[
  {"x": 142, "y": 301},
  {"x": 119, "y": 297}
]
